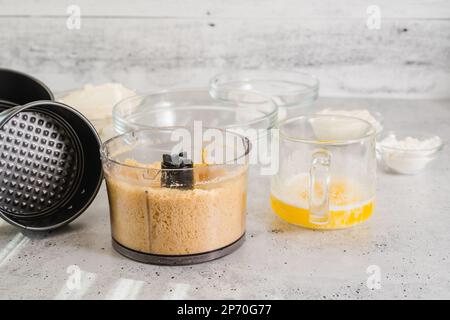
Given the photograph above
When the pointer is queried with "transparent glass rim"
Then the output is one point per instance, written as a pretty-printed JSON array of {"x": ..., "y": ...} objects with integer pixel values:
[
  {"x": 370, "y": 134},
  {"x": 107, "y": 157},
  {"x": 272, "y": 114},
  {"x": 266, "y": 75}
]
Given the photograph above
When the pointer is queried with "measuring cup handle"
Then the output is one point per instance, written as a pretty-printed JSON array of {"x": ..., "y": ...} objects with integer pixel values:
[{"x": 319, "y": 183}]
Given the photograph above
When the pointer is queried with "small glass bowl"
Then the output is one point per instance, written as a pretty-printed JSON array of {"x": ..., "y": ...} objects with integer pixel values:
[
  {"x": 291, "y": 91},
  {"x": 407, "y": 160},
  {"x": 181, "y": 107}
]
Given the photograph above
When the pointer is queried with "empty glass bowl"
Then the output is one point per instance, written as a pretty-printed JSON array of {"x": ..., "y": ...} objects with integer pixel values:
[
  {"x": 181, "y": 107},
  {"x": 291, "y": 91}
]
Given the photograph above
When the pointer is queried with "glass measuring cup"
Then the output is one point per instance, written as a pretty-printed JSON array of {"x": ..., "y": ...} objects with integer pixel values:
[{"x": 327, "y": 172}]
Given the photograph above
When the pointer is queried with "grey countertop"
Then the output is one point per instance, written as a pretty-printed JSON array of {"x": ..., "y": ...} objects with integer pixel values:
[{"x": 406, "y": 243}]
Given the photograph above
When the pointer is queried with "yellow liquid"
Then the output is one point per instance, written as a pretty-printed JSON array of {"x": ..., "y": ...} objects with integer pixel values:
[{"x": 346, "y": 207}]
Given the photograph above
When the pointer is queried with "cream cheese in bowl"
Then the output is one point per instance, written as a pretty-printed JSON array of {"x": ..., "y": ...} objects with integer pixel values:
[
  {"x": 96, "y": 102},
  {"x": 408, "y": 153},
  {"x": 374, "y": 118}
]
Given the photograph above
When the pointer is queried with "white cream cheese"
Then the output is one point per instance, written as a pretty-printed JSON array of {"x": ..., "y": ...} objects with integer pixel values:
[
  {"x": 96, "y": 101},
  {"x": 408, "y": 155},
  {"x": 357, "y": 113}
]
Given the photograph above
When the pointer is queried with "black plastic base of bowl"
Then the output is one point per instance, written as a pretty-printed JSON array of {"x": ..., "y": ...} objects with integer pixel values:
[{"x": 179, "y": 260}]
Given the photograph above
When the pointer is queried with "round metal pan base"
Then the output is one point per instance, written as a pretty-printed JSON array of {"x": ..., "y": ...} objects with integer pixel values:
[{"x": 179, "y": 260}]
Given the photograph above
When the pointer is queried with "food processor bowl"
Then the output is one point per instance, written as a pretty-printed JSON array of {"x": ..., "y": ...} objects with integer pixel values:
[{"x": 174, "y": 199}]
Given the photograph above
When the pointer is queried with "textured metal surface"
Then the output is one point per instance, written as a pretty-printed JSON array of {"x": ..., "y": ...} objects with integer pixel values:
[
  {"x": 38, "y": 164},
  {"x": 45, "y": 181}
]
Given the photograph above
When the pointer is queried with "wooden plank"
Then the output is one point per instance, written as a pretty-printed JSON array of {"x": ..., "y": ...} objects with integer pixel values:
[
  {"x": 402, "y": 59},
  {"x": 207, "y": 9}
]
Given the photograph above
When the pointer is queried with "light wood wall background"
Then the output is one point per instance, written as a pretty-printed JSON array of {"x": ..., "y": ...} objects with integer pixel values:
[{"x": 153, "y": 44}]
